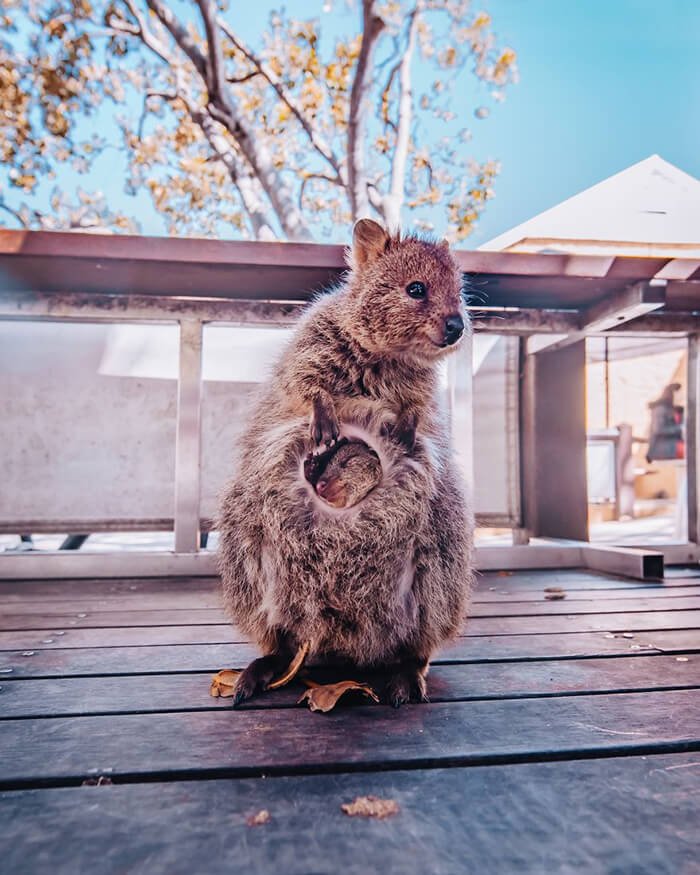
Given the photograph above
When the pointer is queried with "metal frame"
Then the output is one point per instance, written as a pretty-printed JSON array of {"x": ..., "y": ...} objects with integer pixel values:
[
  {"x": 188, "y": 438},
  {"x": 562, "y": 297},
  {"x": 693, "y": 438},
  {"x": 626, "y": 561}
]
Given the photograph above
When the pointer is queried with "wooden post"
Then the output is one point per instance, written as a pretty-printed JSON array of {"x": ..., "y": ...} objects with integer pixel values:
[
  {"x": 555, "y": 494},
  {"x": 692, "y": 443}
]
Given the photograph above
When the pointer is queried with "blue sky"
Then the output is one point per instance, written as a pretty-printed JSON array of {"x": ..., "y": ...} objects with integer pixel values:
[{"x": 603, "y": 84}]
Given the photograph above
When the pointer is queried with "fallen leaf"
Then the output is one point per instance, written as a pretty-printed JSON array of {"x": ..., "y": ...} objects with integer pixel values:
[
  {"x": 505, "y": 573},
  {"x": 258, "y": 819},
  {"x": 371, "y": 806},
  {"x": 294, "y": 667},
  {"x": 554, "y": 596},
  {"x": 553, "y": 589},
  {"x": 324, "y": 697},
  {"x": 223, "y": 683}
]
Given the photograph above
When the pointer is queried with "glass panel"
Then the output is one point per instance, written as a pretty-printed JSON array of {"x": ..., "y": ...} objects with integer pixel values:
[
  {"x": 88, "y": 425},
  {"x": 496, "y": 425},
  {"x": 636, "y": 412}
]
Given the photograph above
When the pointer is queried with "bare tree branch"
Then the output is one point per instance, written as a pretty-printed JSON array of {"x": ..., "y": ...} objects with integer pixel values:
[
  {"x": 373, "y": 25},
  {"x": 384, "y": 96},
  {"x": 239, "y": 80},
  {"x": 223, "y": 109},
  {"x": 317, "y": 141},
  {"x": 225, "y": 153},
  {"x": 14, "y": 213},
  {"x": 179, "y": 34},
  {"x": 239, "y": 175},
  {"x": 140, "y": 30},
  {"x": 393, "y": 201},
  {"x": 216, "y": 77},
  {"x": 375, "y": 199},
  {"x": 302, "y": 188}
]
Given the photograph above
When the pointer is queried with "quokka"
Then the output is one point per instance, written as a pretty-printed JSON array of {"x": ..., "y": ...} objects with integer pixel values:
[{"x": 384, "y": 583}]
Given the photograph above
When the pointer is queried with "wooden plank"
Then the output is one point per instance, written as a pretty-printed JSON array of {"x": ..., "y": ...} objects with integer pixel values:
[
  {"x": 114, "y": 619},
  {"x": 244, "y": 743},
  {"x": 544, "y": 607},
  {"x": 569, "y": 578},
  {"x": 632, "y": 814},
  {"x": 10, "y": 621},
  {"x": 190, "y": 587},
  {"x": 60, "y": 662},
  {"x": 446, "y": 683},
  {"x": 203, "y": 592},
  {"x": 599, "y": 596},
  {"x": 57, "y": 590},
  {"x": 176, "y": 602},
  {"x": 222, "y": 633},
  {"x": 212, "y": 601}
]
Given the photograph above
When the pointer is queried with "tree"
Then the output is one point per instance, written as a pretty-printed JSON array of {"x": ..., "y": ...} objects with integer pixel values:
[{"x": 285, "y": 140}]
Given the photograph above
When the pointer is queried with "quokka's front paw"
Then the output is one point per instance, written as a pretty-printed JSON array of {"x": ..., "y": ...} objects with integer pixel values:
[
  {"x": 403, "y": 431},
  {"x": 325, "y": 428}
]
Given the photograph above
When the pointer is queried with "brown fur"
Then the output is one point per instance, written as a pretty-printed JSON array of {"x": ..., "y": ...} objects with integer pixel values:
[{"x": 389, "y": 579}]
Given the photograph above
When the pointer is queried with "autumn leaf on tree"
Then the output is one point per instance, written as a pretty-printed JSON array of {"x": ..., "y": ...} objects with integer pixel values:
[{"x": 290, "y": 138}]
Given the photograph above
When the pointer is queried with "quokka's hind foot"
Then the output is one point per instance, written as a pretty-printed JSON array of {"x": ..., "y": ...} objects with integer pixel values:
[
  {"x": 256, "y": 676},
  {"x": 406, "y": 684}
]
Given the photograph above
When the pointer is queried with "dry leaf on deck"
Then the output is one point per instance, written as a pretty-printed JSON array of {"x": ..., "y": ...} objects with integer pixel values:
[
  {"x": 324, "y": 697},
  {"x": 294, "y": 667},
  {"x": 554, "y": 596},
  {"x": 259, "y": 819},
  {"x": 371, "y": 806},
  {"x": 223, "y": 683}
]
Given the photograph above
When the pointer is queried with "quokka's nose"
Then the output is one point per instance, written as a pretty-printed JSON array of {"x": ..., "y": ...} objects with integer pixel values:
[{"x": 454, "y": 328}]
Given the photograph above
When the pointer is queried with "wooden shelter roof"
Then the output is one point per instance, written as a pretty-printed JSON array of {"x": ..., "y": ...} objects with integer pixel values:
[{"x": 43, "y": 261}]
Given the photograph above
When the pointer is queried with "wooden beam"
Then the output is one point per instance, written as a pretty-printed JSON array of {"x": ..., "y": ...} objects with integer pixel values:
[
  {"x": 693, "y": 439},
  {"x": 504, "y": 320},
  {"x": 68, "y": 307},
  {"x": 610, "y": 312},
  {"x": 624, "y": 306},
  {"x": 660, "y": 323}
]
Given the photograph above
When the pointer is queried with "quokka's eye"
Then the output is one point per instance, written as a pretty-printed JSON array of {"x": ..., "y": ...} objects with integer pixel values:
[{"x": 416, "y": 290}]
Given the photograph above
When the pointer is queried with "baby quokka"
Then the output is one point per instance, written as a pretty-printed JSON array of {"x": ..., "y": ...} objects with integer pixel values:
[{"x": 377, "y": 571}]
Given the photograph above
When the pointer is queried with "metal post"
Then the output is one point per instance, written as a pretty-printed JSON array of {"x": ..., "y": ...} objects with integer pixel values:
[
  {"x": 459, "y": 375},
  {"x": 528, "y": 485},
  {"x": 187, "y": 444},
  {"x": 693, "y": 439}
]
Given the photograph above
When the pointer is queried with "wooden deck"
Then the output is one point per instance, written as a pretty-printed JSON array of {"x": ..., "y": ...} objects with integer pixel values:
[{"x": 561, "y": 736}]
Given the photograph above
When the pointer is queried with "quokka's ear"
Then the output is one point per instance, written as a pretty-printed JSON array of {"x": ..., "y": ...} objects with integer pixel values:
[{"x": 369, "y": 241}]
